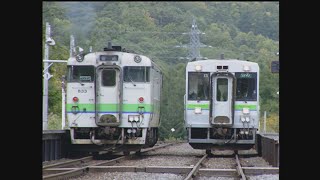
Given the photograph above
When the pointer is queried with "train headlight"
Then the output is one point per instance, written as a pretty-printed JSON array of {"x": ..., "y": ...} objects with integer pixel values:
[
  {"x": 134, "y": 130},
  {"x": 130, "y": 118},
  {"x": 197, "y": 110},
  {"x": 246, "y": 68},
  {"x": 247, "y": 119},
  {"x": 241, "y": 132},
  {"x": 129, "y": 131},
  {"x": 245, "y": 111},
  {"x": 246, "y": 132},
  {"x": 136, "y": 118},
  {"x": 243, "y": 119},
  {"x": 198, "y": 67}
]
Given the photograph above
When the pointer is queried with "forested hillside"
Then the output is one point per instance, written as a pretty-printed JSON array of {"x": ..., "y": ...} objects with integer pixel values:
[{"x": 244, "y": 30}]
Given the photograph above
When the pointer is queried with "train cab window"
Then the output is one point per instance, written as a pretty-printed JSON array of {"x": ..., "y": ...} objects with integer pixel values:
[
  {"x": 246, "y": 86},
  {"x": 136, "y": 74},
  {"x": 222, "y": 89},
  {"x": 198, "y": 86},
  {"x": 108, "y": 77},
  {"x": 80, "y": 74}
]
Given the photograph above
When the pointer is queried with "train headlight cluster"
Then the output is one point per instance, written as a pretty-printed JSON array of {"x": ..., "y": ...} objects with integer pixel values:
[
  {"x": 246, "y": 68},
  {"x": 198, "y": 67},
  {"x": 245, "y": 119},
  {"x": 129, "y": 131},
  {"x": 134, "y": 118}
]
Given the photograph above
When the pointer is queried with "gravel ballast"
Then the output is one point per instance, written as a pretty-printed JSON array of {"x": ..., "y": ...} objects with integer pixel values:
[{"x": 129, "y": 176}]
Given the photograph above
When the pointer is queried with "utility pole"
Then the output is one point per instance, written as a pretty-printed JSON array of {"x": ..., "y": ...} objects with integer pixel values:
[
  {"x": 194, "y": 45},
  {"x": 46, "y": 77}
]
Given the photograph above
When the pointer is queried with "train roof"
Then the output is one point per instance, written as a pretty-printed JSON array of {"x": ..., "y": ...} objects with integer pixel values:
[
  {"x": 124, "y": 59},
  {"x": 234, "y": 65}
]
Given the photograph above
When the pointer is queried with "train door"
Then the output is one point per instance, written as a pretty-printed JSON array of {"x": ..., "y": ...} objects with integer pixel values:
[
  {"x": 108, "y": 96},
  {"x": 222, "y": 91}
]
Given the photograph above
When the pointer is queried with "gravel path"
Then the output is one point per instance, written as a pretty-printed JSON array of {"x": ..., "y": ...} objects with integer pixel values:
[
  {"x": 215, "y": 178},
  {"x": 161, "y": 160},
  {"x": 254, "y": 162},
  {"x": 181, "y": 149},
  {"x": 129, "y": 176},
  {"x": 264, "y": 177},
  {"x": 220, "y": 163}
]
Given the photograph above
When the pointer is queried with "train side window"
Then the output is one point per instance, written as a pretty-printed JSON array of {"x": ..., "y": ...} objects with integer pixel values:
[
  {"x": 80, "y": 74},
  {"x": 246, "y": 86},
  {"x": 222, "y": 89},
  {"x": 198, "y": 86},
  {"x": 108, "y": 77}
]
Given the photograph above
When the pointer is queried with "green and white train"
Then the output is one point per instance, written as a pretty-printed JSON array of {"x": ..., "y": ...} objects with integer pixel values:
[
  {"x": 222, "y": 104},
  {"x": 113, "y": 100}
]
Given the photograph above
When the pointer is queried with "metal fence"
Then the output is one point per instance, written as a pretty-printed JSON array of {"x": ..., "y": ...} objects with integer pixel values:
[
  {"x": 269, "y": 147},
  {"x": 54, "y": 143}
]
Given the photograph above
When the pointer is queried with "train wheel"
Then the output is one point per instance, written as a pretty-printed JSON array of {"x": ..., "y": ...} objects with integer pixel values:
[{"x": 126, "y": 153}]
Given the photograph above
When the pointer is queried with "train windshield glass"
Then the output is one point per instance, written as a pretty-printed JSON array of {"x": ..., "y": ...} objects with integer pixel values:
[
  {"x": 198, "y": 86},
  {"x": 246, "y": 86},
  {"x": 80, "y": 73},
  {"x": 136, "y": 74}
]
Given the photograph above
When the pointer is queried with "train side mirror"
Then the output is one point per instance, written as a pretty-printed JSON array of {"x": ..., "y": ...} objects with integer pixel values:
[{"x": 275, "y": 67}]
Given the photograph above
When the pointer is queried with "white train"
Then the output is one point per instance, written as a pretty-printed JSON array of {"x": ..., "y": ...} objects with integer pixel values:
[
  {"x": 113, "y": 100},
  {"x": 222, "y": 104}
]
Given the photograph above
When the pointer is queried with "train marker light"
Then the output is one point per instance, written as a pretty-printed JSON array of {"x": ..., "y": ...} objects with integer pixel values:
[
  {"x": 245, "y": 111},
  {"x": 141, "y": 99},
  {"x": 75, "y": 99},
  {"x": 197, "y": 110}
]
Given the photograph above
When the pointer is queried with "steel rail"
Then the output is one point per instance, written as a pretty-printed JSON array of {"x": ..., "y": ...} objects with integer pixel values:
[
  {"x": 239, "y": 168},
  {"x": 68, "y": 163},
  {"x": 195, "y": 169}
]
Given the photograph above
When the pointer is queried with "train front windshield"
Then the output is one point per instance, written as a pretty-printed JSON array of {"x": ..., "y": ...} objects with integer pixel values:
[
  {"x": 246, "y": 86},
  {"x": 80, "y": 74},
  {"x": 136, "y": 74},
  {"x": 198, "y": 86}
]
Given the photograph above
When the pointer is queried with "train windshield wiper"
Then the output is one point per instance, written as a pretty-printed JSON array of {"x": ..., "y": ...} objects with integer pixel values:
[{"x": 131, "y": 80}]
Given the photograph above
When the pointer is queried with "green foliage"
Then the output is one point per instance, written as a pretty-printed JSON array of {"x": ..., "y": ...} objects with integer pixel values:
[{"x": 244, "y": 30}]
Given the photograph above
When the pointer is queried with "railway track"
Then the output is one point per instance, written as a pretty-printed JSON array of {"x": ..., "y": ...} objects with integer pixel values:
[
  {"x": 195, "y": 166},
  {"x": 63, "y": 170}
]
